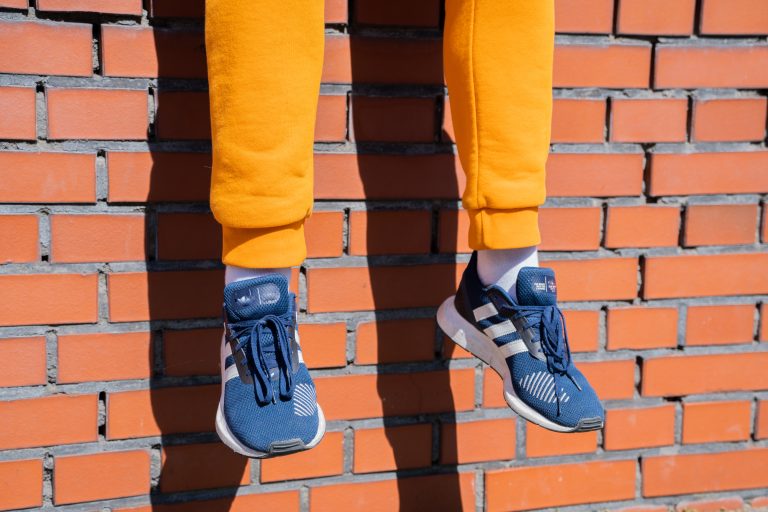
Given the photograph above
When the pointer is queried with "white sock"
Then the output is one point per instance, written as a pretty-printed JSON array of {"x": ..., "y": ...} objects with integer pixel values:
[
  {"x": 232, "y": 273},
  {"x": 501, "y": 266}
]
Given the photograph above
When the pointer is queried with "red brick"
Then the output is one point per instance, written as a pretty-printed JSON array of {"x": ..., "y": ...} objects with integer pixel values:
[
  {"x": 617, "y": 66},
  {"x": 106, "y": 6},
  {"x": 83, "y": 238},
  {"x": 422, "y": 13},
  {"x": 401, "y": 394},
  {"x": 325, "y": 234},
  {"x": 136, "y": 51},
  {"x": 390, "y": 232},
  {"x": 710, "y": 422},
  {"x": 190, "y": 467},
  {"x": 336, "y": 11},
  {"x": 649, "y": 120},
  {"x": 763, "y": 334},
  {"x": 50, "y": 420},
  {"x": 103, "y": 356},
  {"x": 183, "y": 115},
  {"x": 18, "y": 121},
  {"x": 704, "y": 275},
  {"x": 137, "y": 296},
  {"x": 651, "y": 17},
  {"x": 100, "y": 114},
  {"x": 433, "y": 492},
  {"x": 22, "y": 361},
  {"x": 47, "y": 177},
  {"x": 737, "y": 66},
  {"x": 21, "y": 484},
  {"x": 647, "y": 427},
  {"x": 393, "y": 448},
  {"x": 719, "y": 325},
  {"x": 163, "y": 411},
  {"x": 191, "y": 351},
  {"x": 100, "y": 476},
  {"x": 554, "y": 486},
  {"x": 583, "y": 329},
  {"x": 48, "y": 299},
  {"x": 597, "y": 279},
  {"x": 704, "y": 472},
  {"x": 477, "y": 441},
  {"x": 719, "y": 505},
  {"x": 640, "y": 328},
  {"x": 14, "y": 4},
  {"x": 722, "y": 224},
  {"x": 734, "y": 17},
  {"x": 287, "y": 501},
  {"x": 326, "y": 459},
  {"x": 177, "y": 8},
  {"x": 761, "y": 428},
  {"x": 395, "y": 341},
  {"x": 540, "y": 442},
  {"x": 324, "y": 345},
  {"x": 642, "y": 226},
  {"x": 378, "y": 119},
  {"x": 687, "y": 375},
  {"x": 594, "y": 174},
  {"x": 43, "y": 48},
  {"x": 709, "y": 173},
  {"x": 578, "y": 120},
  {"x": 331, "y": 119},
  {"x": 757, "y": 503},
  {"x": 20, "y": 238},
  {"x": 570, "y": 229},
  {"x": 154, "y": 177},
  {"x": 584, "y": 16},
  {"x": 738, "y": 119},
  {"x": 188, "y": 236}
]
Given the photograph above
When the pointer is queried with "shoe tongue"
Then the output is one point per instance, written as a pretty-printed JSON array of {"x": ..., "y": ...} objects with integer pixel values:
[
  {"x": 536, "y": 287},
  {"x": 253, "y": 298}
]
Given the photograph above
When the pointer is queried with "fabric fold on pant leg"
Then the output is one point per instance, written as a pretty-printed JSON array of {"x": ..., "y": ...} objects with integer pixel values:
[{"x": 503, "y": 229}]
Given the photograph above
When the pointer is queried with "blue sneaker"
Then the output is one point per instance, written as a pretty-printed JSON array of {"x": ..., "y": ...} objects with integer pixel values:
[
  {"x": 526, "y": 344},
  {"x": 268, "y": 405}
]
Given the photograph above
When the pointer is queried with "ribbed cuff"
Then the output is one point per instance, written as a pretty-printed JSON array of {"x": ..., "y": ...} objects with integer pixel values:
[
  {"x": 504, "y": 229},
  {"x": 282, "y": 246}
]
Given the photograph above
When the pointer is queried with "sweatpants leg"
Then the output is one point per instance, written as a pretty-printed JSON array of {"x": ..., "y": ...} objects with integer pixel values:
[
  {"x": 498, "y": 67},
  {"x": 264, "y": 64}
]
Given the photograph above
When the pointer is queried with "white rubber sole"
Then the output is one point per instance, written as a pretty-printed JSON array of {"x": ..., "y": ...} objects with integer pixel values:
[{"x": 465, "y": 335}]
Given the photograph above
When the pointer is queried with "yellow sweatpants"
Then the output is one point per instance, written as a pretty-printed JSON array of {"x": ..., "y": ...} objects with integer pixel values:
[{"x": 264, "y": 64}]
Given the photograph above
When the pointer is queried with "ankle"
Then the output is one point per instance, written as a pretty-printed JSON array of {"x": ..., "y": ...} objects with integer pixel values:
[
  {"x": 233, "y": 273},
  {"x": 501, "y": 266}
]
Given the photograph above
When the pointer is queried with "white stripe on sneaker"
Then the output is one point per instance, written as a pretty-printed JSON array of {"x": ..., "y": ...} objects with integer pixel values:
[
  {"x": 484, "y": 311},
  {"x": 500, "y": 329},
  {"x": 512, "y": 348}
]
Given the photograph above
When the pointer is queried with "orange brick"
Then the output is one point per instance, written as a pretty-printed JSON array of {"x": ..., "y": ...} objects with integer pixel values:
[
  {"x": 390, "y": 232},
  {"x": 540, "y": 442},
  {"x": 705, "y": 472},
  {"x": 152, "y": 177},
  {"x": 584, "y": 16},
  {"x": 710, "y": 422},
  {"x": 598, "y": 279},
  {"x": 379, "y": 119},
  {"x": 336, "y": 11},
  {"x": 21, "y": 484},
  {"x": 581, "y": 120},
  {"x": 716, "y": 325},
  {"x": 737, "y": 66},
  {"x": 734, "y": 17},
  {"x": 583, "y": 329},
  {"x": 101, "y": 114},
  {"x": 325, "y": 234},
  {"x": 100, "y": 476},
  {"x": 81, "y": 238},
  {"x": 94, "y": 357},
  {"x": 738, "y": 119},
  {"x": 190, "y": 467},
  {"x": 703, "y": 275},
  {"x": 183, "y": 115},
  {"x": 106, "y": 6},
  {"x": 686, "y": 375},
  {"x": 324, "y": 345},
  {"x": 191, "y": 351},
  {"x": 594, "y": 174},
  {"x": 433, "y": 492},
  {"x": 326, "y": 459},
  {"x": 393, "y": 448},
  {"x": 395, "y": 341},
  {"x": 22, "y": 361},
  {"x": 425, "y": 13},
  {"x": 721, "y": 505},
  {"x": 400, "y": 394},
  {"x": 763, "y": 334},
  {"x": 615, "y": 66},
  {"x": 50, "y": 420},
  {"x": 554, "y": 486},
  {"x": 708, "y": 173},
  {"x": 15, "y": 4},
  {"x": 647, "y": 427},
  {"x": 49, "y": 299},
  {"x": 188, "y": 236},
  {"x": 20, "y": 238},
  {"x": 642, "y": 226},
  {"x": 331, "y": 119},
  {"x": 761, "y": 429},
  {"x": 18, "y": 106},
  {"x": 287, "y": 501},
  {"x": 641, "y": 328},
  {"x": 136, "y": 296},
  {"x": 570, "y": 229},
  {"x": 649, "y": 120},
  {"x": 652, "y": 17},
  {"x": 477, "y": 441},
  {"x": 47, "y": 177},
  {"x": 41, "y": 48},
  {"x": 161, "y": 411},
  {"x": 726, "y": 224},
  {"x": 136, "y": 51}
]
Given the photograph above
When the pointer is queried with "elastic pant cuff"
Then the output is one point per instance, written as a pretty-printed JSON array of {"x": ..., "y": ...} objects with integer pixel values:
[
  {"x": 282, "y": 246},
  {"x": 504, "y": 229}
]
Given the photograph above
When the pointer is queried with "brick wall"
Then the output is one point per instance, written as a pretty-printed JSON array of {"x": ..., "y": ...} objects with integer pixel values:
[{"x": 110, "y": 285}]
